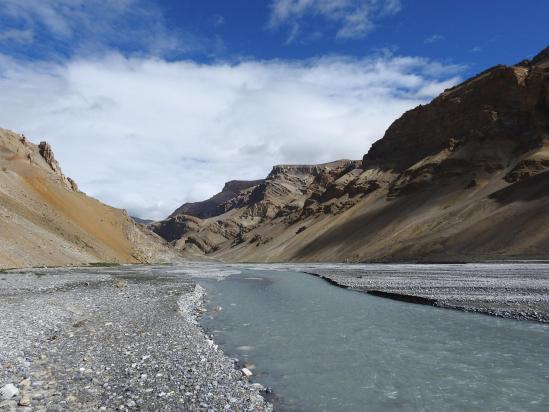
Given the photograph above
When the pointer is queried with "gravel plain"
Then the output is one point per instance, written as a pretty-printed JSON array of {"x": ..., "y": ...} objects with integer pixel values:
[
  {"x": 512, "y": 290},
  {"x": 106, "y": 339}
]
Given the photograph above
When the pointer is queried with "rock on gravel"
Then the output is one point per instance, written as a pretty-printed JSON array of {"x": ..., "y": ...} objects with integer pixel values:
[
  {"x": 8, "y": 391},
  {"x": 79, "y": 342}
]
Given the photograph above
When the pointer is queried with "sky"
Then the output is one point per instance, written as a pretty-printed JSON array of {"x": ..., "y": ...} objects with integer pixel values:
[{"x": 150, "y": 104}]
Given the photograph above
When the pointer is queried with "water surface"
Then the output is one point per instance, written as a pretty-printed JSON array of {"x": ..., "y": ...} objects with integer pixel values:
[{"x": 323, "y": 348}]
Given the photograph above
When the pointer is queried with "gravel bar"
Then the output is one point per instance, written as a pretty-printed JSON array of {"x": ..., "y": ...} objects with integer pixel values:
[
  {"x": 517, "y": 290},
  {"x": 112, "y": 339}
]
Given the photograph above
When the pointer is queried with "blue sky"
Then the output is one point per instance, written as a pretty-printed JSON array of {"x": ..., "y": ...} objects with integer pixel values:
[
  {"x": 149, "y": 104},
  {"x": 474, "y": 33}
]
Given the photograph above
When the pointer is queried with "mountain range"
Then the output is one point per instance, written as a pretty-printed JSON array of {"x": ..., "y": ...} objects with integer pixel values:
[{"x": 465, "y": 177}]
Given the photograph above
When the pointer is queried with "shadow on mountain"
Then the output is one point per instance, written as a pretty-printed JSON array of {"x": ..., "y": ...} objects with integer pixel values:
[{"x": 532, "y": 188}]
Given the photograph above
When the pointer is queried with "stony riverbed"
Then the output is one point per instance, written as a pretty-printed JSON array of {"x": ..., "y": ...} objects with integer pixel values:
[
  {"x": 112, "y": 339},
  {"x": 511, "y": 290},
  {"x": 127, "y": 337}
]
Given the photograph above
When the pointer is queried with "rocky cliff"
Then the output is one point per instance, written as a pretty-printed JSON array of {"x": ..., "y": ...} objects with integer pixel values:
[
  {"x": 465, "y": 177},
  {"x": 217, "y": 204},
  {"x": 46, "y": 220}
]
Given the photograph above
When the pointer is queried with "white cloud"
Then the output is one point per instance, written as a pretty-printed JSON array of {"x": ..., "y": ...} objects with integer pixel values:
[
  {"x": 218, "y": 20},
  {"x": 434, "y": 39},
  {"x": 17, "y": 36},
  {"x": 353, "y": 18},
  {"x": 93, "y": 26},
  {"x": 147, "y": 135}
]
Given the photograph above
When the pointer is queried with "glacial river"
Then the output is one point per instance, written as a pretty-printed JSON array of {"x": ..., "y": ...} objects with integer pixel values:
[{"x": 323, "y": 348}]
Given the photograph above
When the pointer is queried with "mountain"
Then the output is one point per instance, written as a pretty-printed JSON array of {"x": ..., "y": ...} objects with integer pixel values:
[
  {"x": 46, "y": 220},
  {"x": 141, "y": 221},
  {"x": 215, "y": 205},
  {"x": 465, "y": 177}
]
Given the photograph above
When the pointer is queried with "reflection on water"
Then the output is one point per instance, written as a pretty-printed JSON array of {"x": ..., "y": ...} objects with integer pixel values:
[{"x": 322, "y": 348}]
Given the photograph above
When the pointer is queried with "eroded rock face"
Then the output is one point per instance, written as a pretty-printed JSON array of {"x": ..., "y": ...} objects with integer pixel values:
[
  {"x": 288, "y": 192},
  {"x": 527, "y": 168},
  {"x": 73, "y": 185},
  {"x": 219, "y": 203},
  {"x": 47, "y": 153},
  {"x": 502, "y": 105},
  {"x": 479, "y": 127},
  {"x": 175, "y": 227},
  {"x": 288, "y": 187}
]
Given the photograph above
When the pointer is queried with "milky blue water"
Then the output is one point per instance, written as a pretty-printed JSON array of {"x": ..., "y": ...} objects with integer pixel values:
[{"x": 323, "y": 348}]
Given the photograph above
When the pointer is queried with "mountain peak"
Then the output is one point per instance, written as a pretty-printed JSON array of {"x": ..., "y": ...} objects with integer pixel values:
[
  {"x": 542, "y": 57},
  {"x": 500, "y": 107}
]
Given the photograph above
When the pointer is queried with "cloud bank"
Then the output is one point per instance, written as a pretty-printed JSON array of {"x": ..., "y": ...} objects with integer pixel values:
[{"x": 146, "y": 135}]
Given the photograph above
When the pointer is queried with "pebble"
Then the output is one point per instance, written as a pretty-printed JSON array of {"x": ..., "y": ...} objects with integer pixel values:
[
  {"x": 25, "y": 382},
  {"x": 24, "y": 401},
  {"x": 9, "y": 391},
  {"x": 259, "y": 387},
  {"x": 247, "y": 372}
]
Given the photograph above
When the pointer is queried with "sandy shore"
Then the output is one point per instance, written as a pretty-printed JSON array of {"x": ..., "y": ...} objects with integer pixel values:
[
  {"x": 518, "y": 291},
  {"x": 112, "y": 339}
]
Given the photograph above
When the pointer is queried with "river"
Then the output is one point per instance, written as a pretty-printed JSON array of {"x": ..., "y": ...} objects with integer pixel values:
[{"x": 324, "y": 348}]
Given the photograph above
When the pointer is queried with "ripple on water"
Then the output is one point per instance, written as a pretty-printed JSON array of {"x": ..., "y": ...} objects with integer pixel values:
[{"x": 323, "y": 348}]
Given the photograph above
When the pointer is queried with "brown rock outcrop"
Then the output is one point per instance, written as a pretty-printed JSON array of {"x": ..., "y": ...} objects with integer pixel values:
[
  {"x": 219, "y": 203},
  {"x": 46, "y": 152}
]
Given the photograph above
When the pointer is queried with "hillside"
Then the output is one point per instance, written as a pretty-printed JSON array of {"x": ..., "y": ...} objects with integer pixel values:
[
  {"x": 465, "y": 177},
  {"x": 46, "y": 220}
]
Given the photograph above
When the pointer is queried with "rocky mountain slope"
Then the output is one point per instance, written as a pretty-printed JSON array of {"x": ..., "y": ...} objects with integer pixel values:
[
  {"x": 216, "y": 205},
  {"x": 465, "y": 177},
  {"x": 46, "y": 220}
]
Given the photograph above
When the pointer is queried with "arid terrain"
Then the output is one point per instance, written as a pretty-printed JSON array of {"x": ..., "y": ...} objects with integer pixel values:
[
  {"x": 46, "y": 220},
  {"x": 464, "y": 178}
]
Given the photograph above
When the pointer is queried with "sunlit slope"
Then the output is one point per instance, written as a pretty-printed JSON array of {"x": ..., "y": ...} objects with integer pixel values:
[{"x": 45, "y": 220}]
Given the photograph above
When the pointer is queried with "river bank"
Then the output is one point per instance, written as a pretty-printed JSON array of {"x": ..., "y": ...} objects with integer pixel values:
[
  {"x": 91, "y": 339},
  {"x": 510, "y": 290}
]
